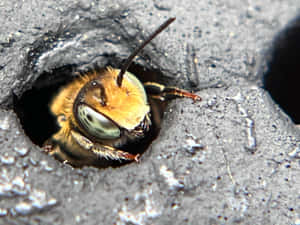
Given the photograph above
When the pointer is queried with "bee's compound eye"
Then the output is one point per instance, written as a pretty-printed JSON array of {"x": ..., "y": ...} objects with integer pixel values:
[{"x": 96, "y": 124}]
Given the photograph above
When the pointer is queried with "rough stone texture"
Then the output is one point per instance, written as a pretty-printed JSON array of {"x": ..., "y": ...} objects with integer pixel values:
[{"x": 231, "y": 159}]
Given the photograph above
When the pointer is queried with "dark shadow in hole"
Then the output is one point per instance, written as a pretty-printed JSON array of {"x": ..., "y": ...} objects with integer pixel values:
[
  {"x": 32, "y": 108},
  {"x": 282, "y": 78},
  {"x": 39, "y": 124}
]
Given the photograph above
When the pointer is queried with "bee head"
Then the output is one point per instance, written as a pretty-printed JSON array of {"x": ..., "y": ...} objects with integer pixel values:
[{"x": 102, "y": 108}]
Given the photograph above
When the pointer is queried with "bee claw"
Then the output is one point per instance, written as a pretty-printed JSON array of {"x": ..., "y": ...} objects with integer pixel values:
[
  {"x": 196, "y": 98},
  {"x": 132, "y": 157},
  {"x": 137, "y": 158},
  {"x": 193, "y": 96},
  {"x": 48, "y": 148}
]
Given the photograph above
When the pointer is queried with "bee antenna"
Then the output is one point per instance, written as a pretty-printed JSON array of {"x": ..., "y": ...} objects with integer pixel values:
[{"x": 136, "y": 51}]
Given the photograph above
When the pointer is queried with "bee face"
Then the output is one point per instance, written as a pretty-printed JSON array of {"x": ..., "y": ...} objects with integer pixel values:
[{"x": 102, "y": 111}]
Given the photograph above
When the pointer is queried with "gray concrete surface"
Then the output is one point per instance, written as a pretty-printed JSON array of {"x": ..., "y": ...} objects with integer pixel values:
[{"x": 247, "y": 172}]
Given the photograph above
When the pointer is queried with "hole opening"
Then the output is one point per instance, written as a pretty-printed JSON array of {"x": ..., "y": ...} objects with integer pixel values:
[{"x": 39, "y": 124}]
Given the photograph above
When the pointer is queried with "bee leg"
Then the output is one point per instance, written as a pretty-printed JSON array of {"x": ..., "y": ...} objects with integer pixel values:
[
  {"x": 109, "y": 152},
  {"x": 161, "y": 92},
  {"x": 55, "y": 150},
  {"x": 104, "y": 151}
]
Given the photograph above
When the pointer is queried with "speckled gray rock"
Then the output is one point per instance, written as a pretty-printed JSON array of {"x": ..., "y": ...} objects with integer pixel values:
[{"x": 231, "y": 159}]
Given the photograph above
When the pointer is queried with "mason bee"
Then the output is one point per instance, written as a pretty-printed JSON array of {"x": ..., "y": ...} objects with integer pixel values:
[{"x": 101, "y": 111}]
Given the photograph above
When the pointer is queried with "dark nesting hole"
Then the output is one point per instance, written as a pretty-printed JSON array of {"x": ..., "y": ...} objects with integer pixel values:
[
  {"x": 282, "y": 78},
  {"x": 39, "y": 124}
]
